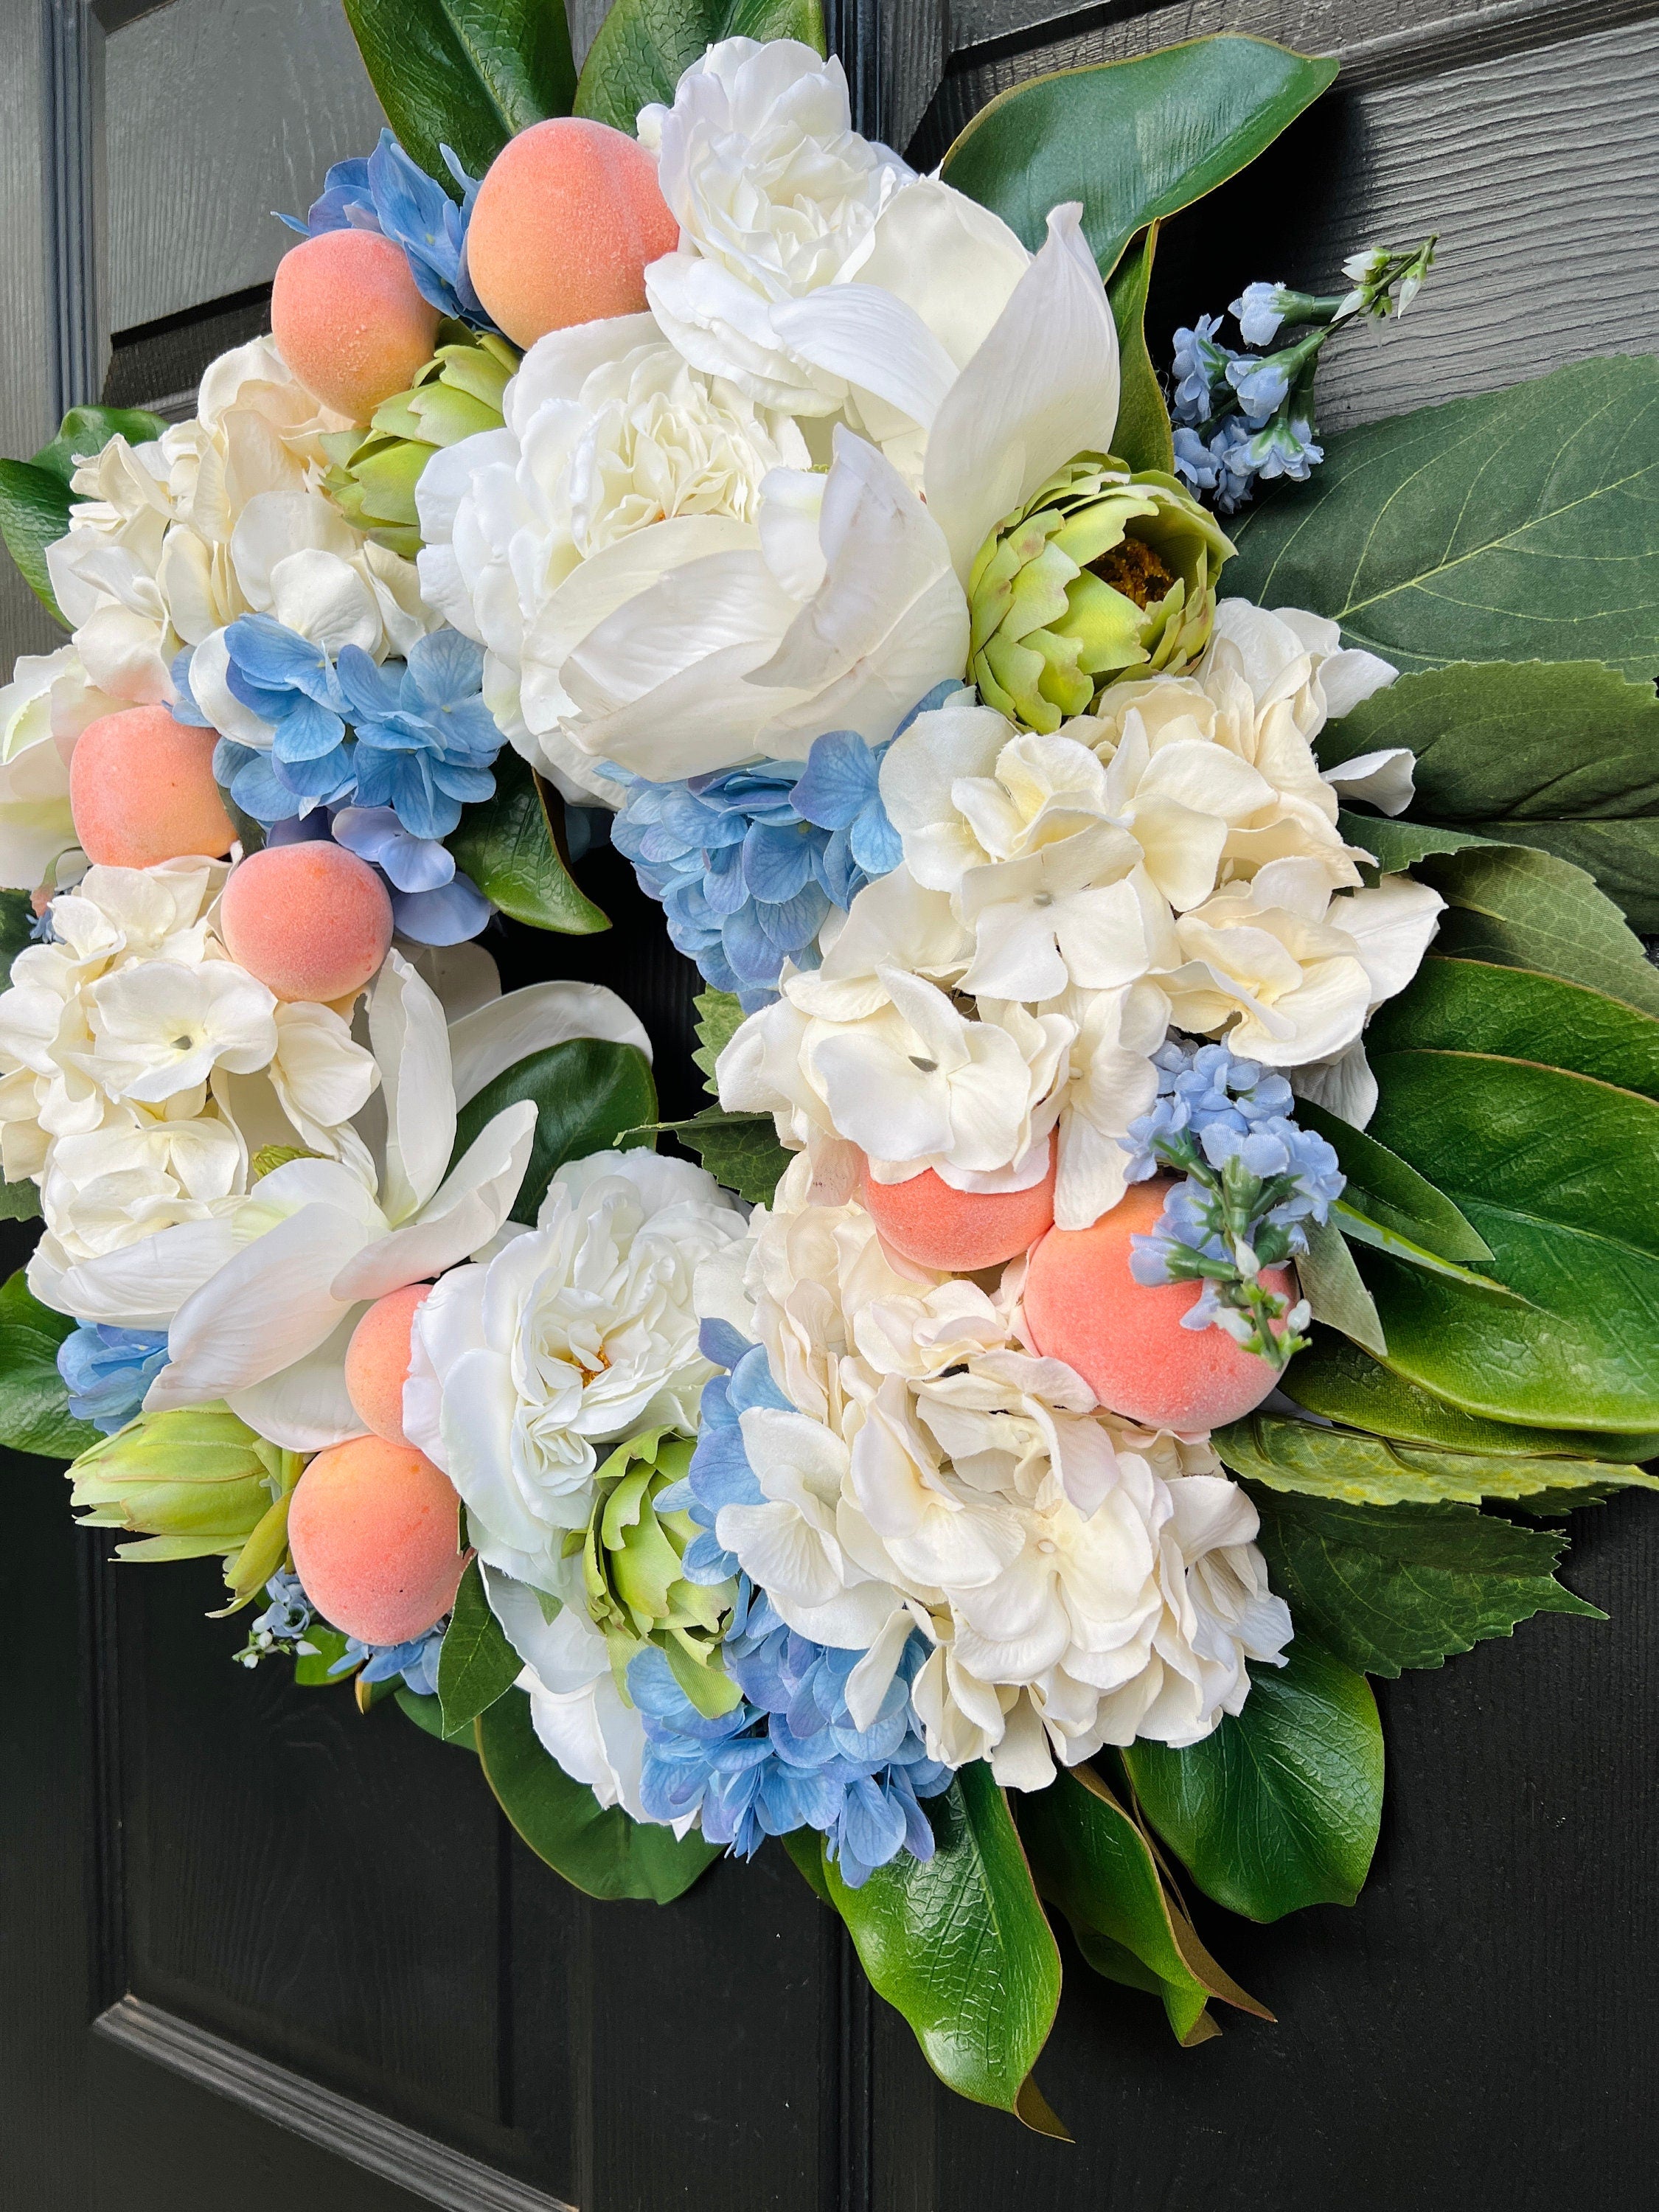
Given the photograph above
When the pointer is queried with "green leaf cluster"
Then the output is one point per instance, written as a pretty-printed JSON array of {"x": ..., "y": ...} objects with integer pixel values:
[
  {"x": 740, "y": 1151},
  {"x": 36, "y": 494},
  {"x": 466, "y": 73},
  {"x": 475, "y": 1663},
  {"x": 590, "y": 1094},
  {"x": 643, "y": 48}
]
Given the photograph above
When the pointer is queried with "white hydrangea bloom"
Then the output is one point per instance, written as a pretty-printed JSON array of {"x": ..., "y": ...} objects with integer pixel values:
[
  {"x": 221, "y": 516},
  {"x": 575, "y": 1334}
]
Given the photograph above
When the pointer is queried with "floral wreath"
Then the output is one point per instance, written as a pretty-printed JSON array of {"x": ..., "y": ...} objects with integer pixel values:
[{"x": 1176, "y": 1228}]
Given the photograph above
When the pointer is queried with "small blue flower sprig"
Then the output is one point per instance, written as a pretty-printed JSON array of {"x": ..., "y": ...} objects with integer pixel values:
[
  {"x": 1241, "y": 416},
  {"x": 285, "y": 1627},
  {"x": 390, "y": 193},
  {"x": 1251, "y": 1178},
  {"x": 747, "y": 863}
]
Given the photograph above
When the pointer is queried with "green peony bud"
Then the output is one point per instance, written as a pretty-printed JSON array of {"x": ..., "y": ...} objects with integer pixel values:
[
  {"x": 192, "y": 1481},
  {"x": 1100, "y": 573},
  {"x": 631, "y": 1555},
  {"x": 375, "y": 471}
]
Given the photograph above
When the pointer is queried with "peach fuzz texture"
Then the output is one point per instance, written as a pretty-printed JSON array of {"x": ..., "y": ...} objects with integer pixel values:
[
  {"x": 142, "y": 791},
  {"x": 348, "y": 319},
  {"x": 310, "y": 921},
  {"x": 377, "y": 1361},
  {"x": 563, "y": 228},
  {"x": 1125, "y": 1338},
  {"x": 925, "y": 1221},
  {"x": 373, "y": 1527}
]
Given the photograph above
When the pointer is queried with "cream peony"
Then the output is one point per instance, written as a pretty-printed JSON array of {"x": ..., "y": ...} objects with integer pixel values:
[
  {"x": 576, "y": 1334},
  {"x": 607, "y": 431},
  {"x": 222, "y": 516},
  {"x": 776, "y": 195}
]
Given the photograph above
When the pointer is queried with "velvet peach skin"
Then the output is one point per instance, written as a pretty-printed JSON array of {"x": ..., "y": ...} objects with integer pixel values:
[
  {"x": 1125, "y": 1338},
  {"x": 377, "y": 1361},
  {"x": 142, "y": 791},
  {"x": 348, "y": 319},
  {"x": 960, "y": 1231},
  {"x": 311, "y": 920},
  {"x": 564, "y": 225},
  {"x": 373, "y": 1527}
]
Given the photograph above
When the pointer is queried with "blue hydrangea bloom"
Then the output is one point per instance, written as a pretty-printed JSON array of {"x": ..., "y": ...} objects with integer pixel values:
[
  {"x": 790, "y": 1755},
  {"x": 425, "y": 738},
  {"x": 415, "y": 1662},
  {"x": 107, "y": 1370},
  {"x": 390, "y": 193}
]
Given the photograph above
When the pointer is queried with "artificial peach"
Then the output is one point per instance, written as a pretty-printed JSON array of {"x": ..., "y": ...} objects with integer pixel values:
[
  {"x": 311, "y": 920},
  {"x": 377, "y": 1361},
  {"x": 1125, "y": 1338},
  {"x": 374, "y": 1529},
  {"x": 348, "y": 319},
  {"x": 563, "y": 228},
  {"x": 142, "y": 791},
  {"x": 923, "y": 1219}
]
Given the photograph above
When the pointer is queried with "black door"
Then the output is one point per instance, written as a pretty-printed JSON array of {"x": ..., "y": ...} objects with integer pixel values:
[{"x": 258, "y": 1949}]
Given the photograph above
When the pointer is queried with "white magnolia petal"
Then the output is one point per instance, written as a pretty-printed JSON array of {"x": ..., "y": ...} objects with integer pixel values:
[
  {"x": 870, "y": 339},
  {"x": 464, "y": 1213},
  {"x": 141, "y": 1286},
  {"x": 410, "y": 1039},
  {"x": 305, "y": 1407},
  {"x": 484, "y": 1042}
]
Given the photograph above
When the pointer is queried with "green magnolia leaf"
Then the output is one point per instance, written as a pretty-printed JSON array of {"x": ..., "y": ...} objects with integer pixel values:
[
  {"x": 959, "y": 1944},
  {"x": 1132, "y": 140},
  {"x": 16, "y": 929},
  {"x": 466, "y": 73},
  {"x": 718, "y": 1019},
  {"x": 1369, "y": 1470},
  {"x": 1563, "y": 754},
  {"x": 1143, "y": 438},
  {"x": 1560, "y": 1174},
  {"x": 1338, "y": 1382},
  {"x": 600, "y": 1850},
  {"x": 740, "y": 1151},
  {"x": 590, "y": 1095},
  {"x": 427, "y": 1713},
  {"x": 476, "y": 1662},
  {"x": 506, "y": 845},
  {"x": 1392, "y": 1192},
  {"x": 1513, "y": 526},
  {"x": 1468, "y": 1005},
  {"x": 1386, "y": 1588},
  {"x": 1280, "y": 1807},
  {"x": 1513, "y": 907},
  {"x": 34, "y": 510},
  {"x": 1335, "y": 1288},
  {"x": 85, "y": 431},
  {"x": 35, "y": 1414},
  {"x": 644, "y": 47},
  {"x": 806, "y": 1847},
  {"x": 1090, "y": 1859}
]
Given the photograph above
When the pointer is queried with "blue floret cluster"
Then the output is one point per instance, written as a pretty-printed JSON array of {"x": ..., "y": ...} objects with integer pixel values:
[{"x": 390, "y": 193}]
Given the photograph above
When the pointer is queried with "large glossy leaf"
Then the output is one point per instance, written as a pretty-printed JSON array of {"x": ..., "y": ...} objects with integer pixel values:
[
  {"x": 466, "y": 73},
  {"x": 600, "y": 1849},
  {"x": 1334, "y": 1288},
  {"x": 1091, "y": 1859},
  {"x": 506, "y": 845},
  {"x": 643, "y": 48},
  {"x": 1372, "y": 1470},
  {"x": 589, "y": 1094},
  {"x": 1143, "y": 437},
  {"x": 1520, "y": 909},
  {"x": 1280, "y": 1807},
  {"x": 959, "y": 1944},
  {"x": 1514, "y": 526},
  {"x": 1560, "y": 1174},
  {"x": 34, "y": 509},
  {"x": 1392, "y": 1192},
  {"x": 1563, "y": 754},
  {"x": 1386, "y": 1588},
  {"x": 476, "y": 1662},
  {"x": 1339, "y": 1382},
  {"x": 35, "y": 1414},
  {"x": 1132, "y": 140},
  {"x": 1468, "y": 1005},
  {"x": 85, "y": 431}
]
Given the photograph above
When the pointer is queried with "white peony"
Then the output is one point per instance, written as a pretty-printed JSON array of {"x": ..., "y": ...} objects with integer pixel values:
[
  {"x": 574, "y": 1334},
  {"x": 607, "y": 431},
  {"x": 775, "y": 195},
  {"x": 43, "y": 710},
  {"x": 222, "y": 516}
]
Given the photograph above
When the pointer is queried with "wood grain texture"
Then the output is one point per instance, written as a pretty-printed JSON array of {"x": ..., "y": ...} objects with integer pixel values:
[{"x": 216, "y": 112}]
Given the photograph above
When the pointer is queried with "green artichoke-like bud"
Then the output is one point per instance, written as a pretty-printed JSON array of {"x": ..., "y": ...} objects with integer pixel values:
[
  {"x": 375, "y": 471},
  {"x": 1099, "y": 573},
  {"x": 192, "y": 1481},
  {"x": 631, "y": 1559}
]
